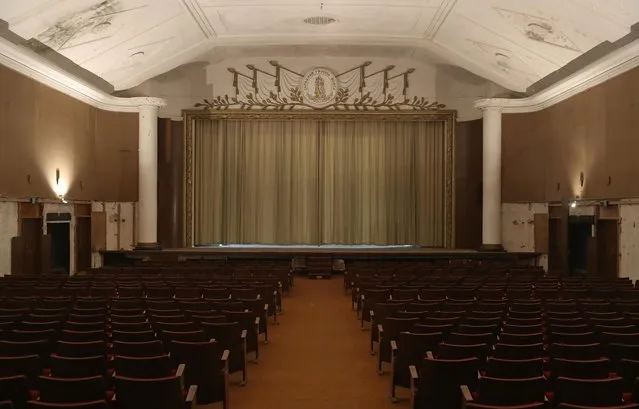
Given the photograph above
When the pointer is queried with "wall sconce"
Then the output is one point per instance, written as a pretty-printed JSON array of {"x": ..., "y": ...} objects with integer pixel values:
[
  {"x": 581, "y": 179},
  {"x": 57, "y": 177}
]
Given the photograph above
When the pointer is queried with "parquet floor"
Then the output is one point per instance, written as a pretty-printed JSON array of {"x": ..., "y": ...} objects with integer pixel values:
[{"x": 317, "y": 358}]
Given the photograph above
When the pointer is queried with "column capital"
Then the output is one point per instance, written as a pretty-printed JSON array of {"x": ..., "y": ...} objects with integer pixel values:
[
  {"x": 489, "y": 105},
  {"x": 147, "y": 102}
]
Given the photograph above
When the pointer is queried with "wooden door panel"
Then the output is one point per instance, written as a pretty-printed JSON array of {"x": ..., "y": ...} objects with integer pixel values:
[
  {"x": 82, "y": 244},
  {"x": 45, "y": 254},
  {"x": 18, "y": 255}
]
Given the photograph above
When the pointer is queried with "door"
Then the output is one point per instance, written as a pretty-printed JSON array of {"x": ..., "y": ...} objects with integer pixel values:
[
  {"x": 608, "y": 247},
  {"x": 82, "y": 244},
  {"x": 31, "y": 231},
  {"x": 558, "y": 240},
  {"x": 45, "y": 254},
  {"x": 18, "y": 255}
]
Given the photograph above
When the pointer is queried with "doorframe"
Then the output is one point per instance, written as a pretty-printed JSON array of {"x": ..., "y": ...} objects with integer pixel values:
[{"x": 62, "y": 208}]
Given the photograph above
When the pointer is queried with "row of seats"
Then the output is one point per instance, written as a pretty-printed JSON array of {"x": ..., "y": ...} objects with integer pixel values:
[
  {"x": 527, "y": 351},
  {"x": 72, "y": 349}
]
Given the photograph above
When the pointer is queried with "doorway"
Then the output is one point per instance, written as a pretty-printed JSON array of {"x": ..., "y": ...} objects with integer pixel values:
[
  {"x": 59, "y": 233},
  {"x": 580, "y": 249}
]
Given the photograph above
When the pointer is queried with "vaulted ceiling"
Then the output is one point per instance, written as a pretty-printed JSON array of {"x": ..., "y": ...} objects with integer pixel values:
[{"x": 513, "y": 43}]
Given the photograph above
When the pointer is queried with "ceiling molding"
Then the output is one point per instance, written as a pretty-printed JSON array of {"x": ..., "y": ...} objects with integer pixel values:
[
  {"x": 31, "y": 65},
  {"x": 616, "y": 63},
  {"x": 442, "y": 13},
  {"x": 199, "y": 17}
]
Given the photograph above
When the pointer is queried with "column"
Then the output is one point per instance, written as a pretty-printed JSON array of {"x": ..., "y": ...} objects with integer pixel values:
[
  {"x": 491, "y": 212},
  {"x": 148, "y": 178}
]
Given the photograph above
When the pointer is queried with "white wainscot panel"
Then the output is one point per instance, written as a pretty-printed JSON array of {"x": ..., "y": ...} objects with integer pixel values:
[
  {"x": 629, "y": 241},
  {"x": 8, "y": 230}
]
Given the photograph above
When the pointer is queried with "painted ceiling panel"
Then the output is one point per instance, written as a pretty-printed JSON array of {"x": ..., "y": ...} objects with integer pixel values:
[{"x": 512, "y": 43}]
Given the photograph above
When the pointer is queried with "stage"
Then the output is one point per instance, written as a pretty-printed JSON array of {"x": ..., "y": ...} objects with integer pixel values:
[{"x": 237, "y": 253}]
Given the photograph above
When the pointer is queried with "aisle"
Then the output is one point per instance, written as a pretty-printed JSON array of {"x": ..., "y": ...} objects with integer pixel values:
[{"x": 316, "y": 359}]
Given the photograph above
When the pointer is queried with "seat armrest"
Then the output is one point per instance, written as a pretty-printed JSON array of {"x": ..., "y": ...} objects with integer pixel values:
[
  {"x": 190, "y": 397},
  {"x": 257, "y": 321},
  {"x": 372, "y": 313},
  {"x": 180, "y": 373},
  {"x": 225, "y": 355},
  {"x": 393, "y": 345},
  {"x": 380, "y": 329},
  {"x": 414, "y": 376},
  {"x": 413, "y": 372},
  {"x": 266, "y": 308},
  {"x": 243, "y": 336},
  {"x": 466, "y": 395},
  {"x": 429, "y": 355}
]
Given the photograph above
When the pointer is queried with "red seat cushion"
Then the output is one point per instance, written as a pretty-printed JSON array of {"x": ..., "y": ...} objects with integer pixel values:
[
  {"x": 34, "y": 395},
  {"x": 627, "y": 397},
  {"x": 550, "y": 396},
  {"x": 109, "y": 395}
]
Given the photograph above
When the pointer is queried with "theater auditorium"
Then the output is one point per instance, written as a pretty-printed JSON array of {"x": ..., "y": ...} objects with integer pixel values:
[{"x": 319, "y": 204}]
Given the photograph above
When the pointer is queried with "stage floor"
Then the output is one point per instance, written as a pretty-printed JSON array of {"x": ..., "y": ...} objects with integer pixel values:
[
  {"x": 237, "y": 253},
  {"x": 322, "y": 249}
]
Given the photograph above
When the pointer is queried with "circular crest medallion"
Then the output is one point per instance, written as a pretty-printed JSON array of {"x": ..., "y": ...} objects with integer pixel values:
[{"x": 319, "y": 87}]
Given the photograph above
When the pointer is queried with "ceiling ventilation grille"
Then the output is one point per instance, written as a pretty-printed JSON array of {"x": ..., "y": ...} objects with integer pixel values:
[{"x": 319, "y": 20}]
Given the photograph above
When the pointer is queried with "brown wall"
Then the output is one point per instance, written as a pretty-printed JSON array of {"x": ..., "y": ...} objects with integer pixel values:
[
  {"x": 594, "y": 132},
  {"x": 170, "y": 181},
  {"x": 42, "y": 130},
  {"x": 468, "y": 184}
]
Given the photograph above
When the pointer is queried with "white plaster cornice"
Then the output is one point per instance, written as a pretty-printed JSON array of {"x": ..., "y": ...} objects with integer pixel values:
[
  {"x": 29, "y": 64},
  {"x": 616, "y": 63}
]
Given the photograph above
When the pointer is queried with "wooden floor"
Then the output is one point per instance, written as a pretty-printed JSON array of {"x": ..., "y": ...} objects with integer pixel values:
[{"x": 317, "y": 358}]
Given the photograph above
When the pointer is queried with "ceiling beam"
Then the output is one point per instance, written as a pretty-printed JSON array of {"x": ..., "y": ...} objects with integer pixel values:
[
  {"x": 31, "y": 65},
  {"x": 614, "y": 64}
]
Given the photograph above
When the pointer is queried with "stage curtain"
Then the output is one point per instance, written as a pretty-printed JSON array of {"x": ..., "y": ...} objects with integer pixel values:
[
  {"x": 382, "y": 183},
  {"x": 256, "y": 182},
  {"x": 319, "y": 182}
]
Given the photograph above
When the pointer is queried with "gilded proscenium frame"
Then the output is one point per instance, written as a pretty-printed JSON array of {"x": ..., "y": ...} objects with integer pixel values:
[{"x": 446, "y": 116}]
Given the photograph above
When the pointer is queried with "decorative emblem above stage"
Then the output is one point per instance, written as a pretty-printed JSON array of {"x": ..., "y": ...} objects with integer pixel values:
[{"x": 321, "y": 89}]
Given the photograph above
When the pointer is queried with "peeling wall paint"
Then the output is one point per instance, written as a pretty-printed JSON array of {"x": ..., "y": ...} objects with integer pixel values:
[
  {"x": 8, "y": 230},
  {"x": 518, "y": 227},
  {"x": 120, "y": 227},
  {"x": 629, "y": 241}
]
